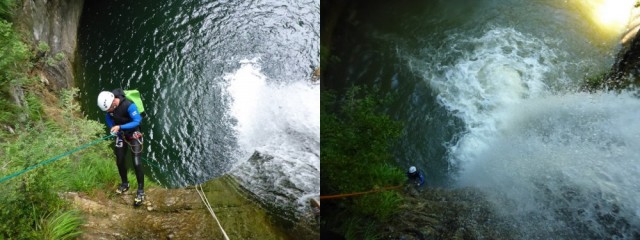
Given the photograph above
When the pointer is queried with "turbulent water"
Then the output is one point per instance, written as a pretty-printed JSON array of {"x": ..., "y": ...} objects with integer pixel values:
[
  {"x": 490, "y": 95},
  {"x": 219, "y": 79},
  {"x": 561, "y": 163}
]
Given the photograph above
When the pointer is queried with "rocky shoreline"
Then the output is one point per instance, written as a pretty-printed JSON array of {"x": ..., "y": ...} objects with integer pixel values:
[
  {"x": 434, "y": 213},
  {"x": 181, "y": 214}
]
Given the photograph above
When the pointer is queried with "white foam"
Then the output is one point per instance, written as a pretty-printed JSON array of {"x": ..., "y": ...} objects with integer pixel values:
[
  {"x": 504, "y": 68},
  {"x": 554, "y": 160},
  {"x": 280, "y": 120},
  {"x": 582, "y": 144}
]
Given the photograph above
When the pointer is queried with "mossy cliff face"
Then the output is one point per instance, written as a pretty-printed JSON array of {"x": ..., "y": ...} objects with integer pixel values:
[{"x": 54, "y": 23}]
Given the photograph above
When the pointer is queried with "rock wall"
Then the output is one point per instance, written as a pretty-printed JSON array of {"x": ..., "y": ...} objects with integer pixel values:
[
  {"x": 54, "y": 22},
  {"x": 625, "y": 72},
  {"x": 287, "y": 197},
  {"x": 626, "y": 69}
]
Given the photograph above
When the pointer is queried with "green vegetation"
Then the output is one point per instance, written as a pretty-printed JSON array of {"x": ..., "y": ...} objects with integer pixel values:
[
  {"x": 31, "y": 199},
  {"x": 61, "y": 225},
  {"x": 595, "y": 82},
  {"x": 356, "y": 157},
  {"x": 32, "y": 207},
  {"x": 37, "y": 125},
  {"x": 14, "y": 65},
  {"x": 6, "y": 8},
  {"x": 52, "y": 61}
]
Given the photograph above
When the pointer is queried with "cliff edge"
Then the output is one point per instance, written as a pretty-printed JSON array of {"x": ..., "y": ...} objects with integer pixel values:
[{"x": 54, "y": 23}]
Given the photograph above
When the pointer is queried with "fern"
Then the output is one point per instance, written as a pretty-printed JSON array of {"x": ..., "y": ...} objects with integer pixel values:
[{"x": 60, "y": 225}]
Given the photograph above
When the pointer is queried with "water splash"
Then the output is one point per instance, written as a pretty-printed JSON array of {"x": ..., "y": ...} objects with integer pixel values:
[
  {"x": 564, "y": 164},
  {"x": 556, "y": 163},
  {"x": 501, "y": 68},
  {"x": 281, "y": 121}
]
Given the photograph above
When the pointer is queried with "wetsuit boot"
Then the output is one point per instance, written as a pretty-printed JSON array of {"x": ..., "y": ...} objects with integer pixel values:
[{"x": 139, "y": 198}]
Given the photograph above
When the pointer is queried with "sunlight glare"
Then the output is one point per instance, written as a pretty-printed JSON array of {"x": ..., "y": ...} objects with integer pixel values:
[{"x": 613, "y": 14}]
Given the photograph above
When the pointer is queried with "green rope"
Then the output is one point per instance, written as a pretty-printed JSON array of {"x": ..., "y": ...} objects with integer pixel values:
[
  {"x": 149, "y": 162},
  {"x": 54, "y": 159}
]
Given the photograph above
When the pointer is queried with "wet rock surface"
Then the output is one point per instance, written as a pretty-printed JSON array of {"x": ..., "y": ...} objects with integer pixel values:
[
  {"x": 176, "y": 214},
  {"x": 625, "y": 72},
  {"x": 445, "y": 214},
  {"x": 114, "y": 217},
  {"x": 287, "y": 195}
]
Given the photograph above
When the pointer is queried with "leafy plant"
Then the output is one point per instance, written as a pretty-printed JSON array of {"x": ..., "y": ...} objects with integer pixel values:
[
  {"x": 356, "y": 157},
  {"x": 52, "y": 61},
  {"x": 43, "y": 47},
  {"x": 33, "y": 196},
  {"x": 59, "y": 56},
  {"x": 360, "y": 228},
  {"x": 30, "y": 205},
  {"x": 6, "y": 7},
  {"x": 13, "y": 51},
  {"x": 14, "y": 65},
  {"x": 60, "y": 225},
  {"x": 34, "y": 107}
]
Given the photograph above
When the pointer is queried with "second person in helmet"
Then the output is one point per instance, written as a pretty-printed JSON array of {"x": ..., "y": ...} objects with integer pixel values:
[{"x": 415, "y": 176}]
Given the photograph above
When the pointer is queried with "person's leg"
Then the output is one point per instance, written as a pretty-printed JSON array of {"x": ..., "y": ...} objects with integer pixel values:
[
  {"x": 136, "y": 151},
  {"x": 120, "y": 152},
  {"x": 136, "y": 148}
]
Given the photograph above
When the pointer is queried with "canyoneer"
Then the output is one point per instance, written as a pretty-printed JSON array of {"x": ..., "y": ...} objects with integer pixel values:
[
  {"x": 123, "y": 120},
  {"x": 415, "y": 176}
]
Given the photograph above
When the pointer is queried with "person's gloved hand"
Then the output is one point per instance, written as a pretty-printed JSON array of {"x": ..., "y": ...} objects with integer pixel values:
[{"x": 115, "y": 129}]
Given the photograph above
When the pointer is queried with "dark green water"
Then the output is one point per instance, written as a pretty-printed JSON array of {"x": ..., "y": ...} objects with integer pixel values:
[
  {"x": 489, "y": 92},
  {"x": 197, "y": 64}
]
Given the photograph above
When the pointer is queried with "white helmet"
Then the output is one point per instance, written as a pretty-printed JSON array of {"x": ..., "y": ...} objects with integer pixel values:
[
  {"x": 105, "y": 99},
  {"x": 412, "y": 169}
]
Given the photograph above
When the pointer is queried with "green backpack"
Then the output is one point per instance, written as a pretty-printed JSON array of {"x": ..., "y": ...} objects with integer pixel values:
[{"x": 134, "y": 96}]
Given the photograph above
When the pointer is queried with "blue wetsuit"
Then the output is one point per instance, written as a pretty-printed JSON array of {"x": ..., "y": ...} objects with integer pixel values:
[
  {"x": 126, "y": 115},
  {"x": 416, "y": 178},
  {"x": 130, "y": 126}
]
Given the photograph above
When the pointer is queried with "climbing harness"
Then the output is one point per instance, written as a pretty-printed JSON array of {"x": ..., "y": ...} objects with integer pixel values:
[
  {"x": 18, "y": 173},
  {"x": 137, "y": 136},
  {"x": 359, "y": 193},
  {"x": 206, "y": 203}
]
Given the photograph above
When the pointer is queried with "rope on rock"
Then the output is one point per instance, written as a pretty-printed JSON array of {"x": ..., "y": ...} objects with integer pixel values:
[
  {"x": 206, "y": 203},
  {"x": 359, "y": 193}
]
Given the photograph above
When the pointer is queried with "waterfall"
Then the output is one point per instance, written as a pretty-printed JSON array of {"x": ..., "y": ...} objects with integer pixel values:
[
  {"x": 281, "y": 120},
  {"x": 558, "y": 162}
]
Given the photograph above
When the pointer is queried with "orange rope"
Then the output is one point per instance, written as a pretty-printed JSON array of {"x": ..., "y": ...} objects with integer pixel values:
[{"x": 359, "y": 193}]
